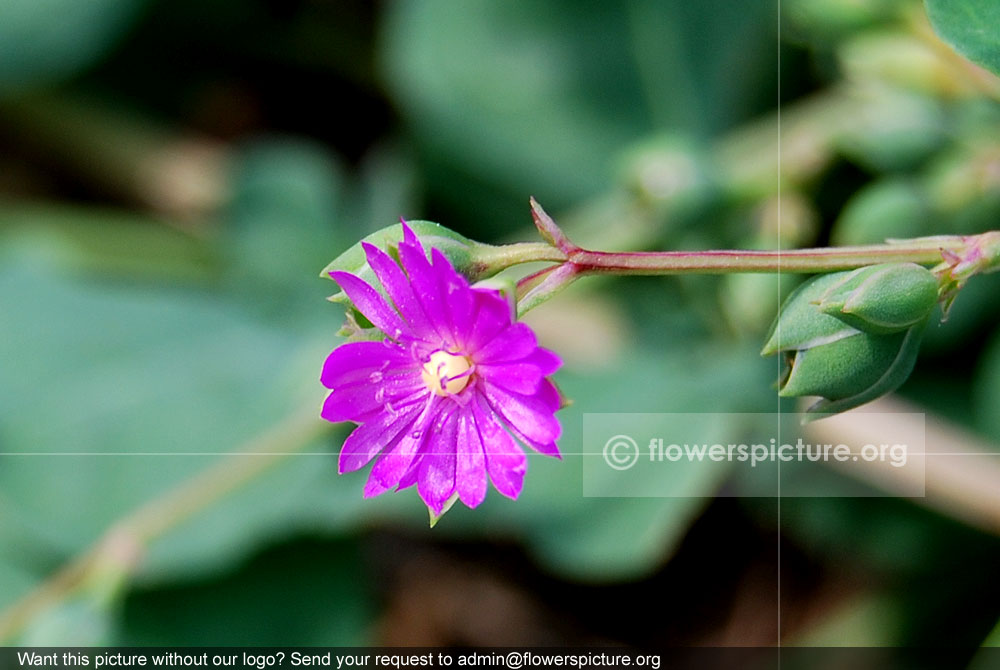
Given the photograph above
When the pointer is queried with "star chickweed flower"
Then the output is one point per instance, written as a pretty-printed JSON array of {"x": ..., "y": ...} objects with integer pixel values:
[{"x": 441, "y": 398}]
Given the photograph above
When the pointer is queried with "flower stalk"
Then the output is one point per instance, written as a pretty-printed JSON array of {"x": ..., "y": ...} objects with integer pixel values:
[{"x": 958, "y": 255}]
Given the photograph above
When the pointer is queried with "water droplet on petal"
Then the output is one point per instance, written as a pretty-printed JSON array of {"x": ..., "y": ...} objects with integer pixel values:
[{"x": 416, "y": 434}]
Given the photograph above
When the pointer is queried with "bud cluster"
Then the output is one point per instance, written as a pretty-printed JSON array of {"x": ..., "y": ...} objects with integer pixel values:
[{"x": 850, "y": 337}]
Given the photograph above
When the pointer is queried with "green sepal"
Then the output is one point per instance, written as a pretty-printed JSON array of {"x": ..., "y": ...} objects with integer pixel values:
[
  {"x": 463, "y": 253},
  {"x": 881, "y": 299},
  {"x": 357, "y": 328},
  {"x": 841, "y": 369},
  {"x": 893, "y": 376},
  {"x": 800, "y": 325},
  {"x": 434, "y": 518}
]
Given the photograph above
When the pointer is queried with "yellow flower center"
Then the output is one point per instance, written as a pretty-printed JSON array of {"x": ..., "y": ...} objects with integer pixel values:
[{"x": 445, "y": 374}]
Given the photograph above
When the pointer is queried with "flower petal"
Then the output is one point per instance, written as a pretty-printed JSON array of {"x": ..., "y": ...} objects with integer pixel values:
[
  {"x": 409, "y": 477},
  {"x": 368, "y": 301},
  {"x": 458, "y": 299},
  {"x": 546, "y": 449},
  {"x": 398, "y": 287},
  {"x": 369, "y": 438},
  {"x": 523, "y": 375},
  {"x": 491, "y": 315},
  {"x": 364, "y": 401},
  {"x": 425, "y": 287},
  {"x": 355, "y": 361},
  {"x": 529, "y": 417},
  {"x": 549, "y": 394},
  {"x": 373, "y": 487},
  {"x": 410, "y": 237},
  {"x": 505, "y": 462},
  {"x": 512, "y": 343},
  {"x": 436, "y": 480},
  {"x": 470, "y": 475},
  {"x": 547, "y": 361},
  {"x": 518, "y": 377},
  {"x": 393, "y": 463}
]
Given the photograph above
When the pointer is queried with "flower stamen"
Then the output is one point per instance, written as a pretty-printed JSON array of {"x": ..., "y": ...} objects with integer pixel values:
[{"x": 446, "y": 373}]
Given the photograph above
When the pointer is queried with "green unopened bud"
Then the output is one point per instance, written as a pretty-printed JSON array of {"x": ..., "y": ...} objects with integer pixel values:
[
  {"x": 882, "y": 299},
  {"x": 827, "y": 357},
  {"x": 800, "y": 325},
  {"x": 887, "y": 208},
  {"x": 902, "y": 60},
  {"x": 669, "y": 173},
  {"x": 831, "y": 20}
]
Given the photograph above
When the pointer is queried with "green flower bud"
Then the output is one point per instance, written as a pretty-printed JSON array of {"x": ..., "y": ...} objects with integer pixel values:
[
  {"x": 670, "y": 174},
  {"x": 832, "y": 20},
  {"x": 890, "y": 129},
  {"x": 800, "y": 325},
  {"x": 902, "y": 60},
  {"x": 881, "y": 299},
  {"x": 827, "y": 357},
  {"x": 887, "y": 208}
]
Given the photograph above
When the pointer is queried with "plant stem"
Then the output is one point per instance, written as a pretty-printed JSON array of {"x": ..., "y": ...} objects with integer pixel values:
[
  {"x": 495, "y": 259},
  {"x": 956, "y": 257},
  {"x": 924, "y": 251}
]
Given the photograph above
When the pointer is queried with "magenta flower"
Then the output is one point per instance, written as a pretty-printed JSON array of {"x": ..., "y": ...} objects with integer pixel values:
[{"x": 439, "y": 399}]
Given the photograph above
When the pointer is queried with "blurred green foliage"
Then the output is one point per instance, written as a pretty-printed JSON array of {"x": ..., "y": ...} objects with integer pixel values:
[
  {"x": 35, "y": 49},
  {"x": 163, "y": 317},
  {"x": 969, "y": 26}
]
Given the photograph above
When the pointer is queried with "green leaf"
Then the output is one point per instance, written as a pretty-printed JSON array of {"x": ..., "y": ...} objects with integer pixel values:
[
  {"x": 111, "y": 242},
  {"x": 867, "y": 621},
  {"x": 44, "y": 40},
  {"x": 282, "y": 218},
  {"x": 160, "y": 382},
  {"x": 971, "y": 27},
  {"x": 507, "y": 99},
  {"x": 986, "y": 391},
  {"x": 14, "y": 582},
  {"x": 993, "y": 640},
  {"x": 305, "y": 592}
]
